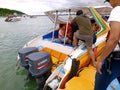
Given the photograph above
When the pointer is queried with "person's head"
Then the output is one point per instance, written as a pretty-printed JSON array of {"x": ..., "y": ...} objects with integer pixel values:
[
  {"x": 113, "y": 2},
  {"x": 92, "y": 20},
  {"x": 62, "y": 26},
  {"x": 79, "y": 12}
]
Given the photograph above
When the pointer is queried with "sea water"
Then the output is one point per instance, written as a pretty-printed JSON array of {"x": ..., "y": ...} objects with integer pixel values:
[{"x": 13, "y": 36}]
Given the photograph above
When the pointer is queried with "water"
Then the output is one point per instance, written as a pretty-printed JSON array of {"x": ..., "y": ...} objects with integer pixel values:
[{"x": 13, "y": 35}]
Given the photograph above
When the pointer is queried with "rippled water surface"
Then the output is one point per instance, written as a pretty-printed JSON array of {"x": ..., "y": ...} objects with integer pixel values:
[{"x": 13, "y": 35}]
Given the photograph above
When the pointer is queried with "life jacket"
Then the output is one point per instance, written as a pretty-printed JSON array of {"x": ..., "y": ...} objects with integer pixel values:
[{"x": 69, "y": 31}]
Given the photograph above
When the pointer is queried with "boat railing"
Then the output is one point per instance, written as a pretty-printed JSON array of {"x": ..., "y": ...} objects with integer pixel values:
[
  {"x": 67, "y": 27},
  {"x": 55, "y": 25},
  {"x": 56, "y": 16}
]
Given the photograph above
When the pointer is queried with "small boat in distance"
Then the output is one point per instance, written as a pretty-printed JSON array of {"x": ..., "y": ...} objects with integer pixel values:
[{"x": 12, "y": 18}]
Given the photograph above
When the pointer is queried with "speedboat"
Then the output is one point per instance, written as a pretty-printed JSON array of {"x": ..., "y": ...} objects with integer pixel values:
[
  {"x": 57, "y": 65},
  {"x": 76, "y": 71},
  {"x": 12, "y": 19}
]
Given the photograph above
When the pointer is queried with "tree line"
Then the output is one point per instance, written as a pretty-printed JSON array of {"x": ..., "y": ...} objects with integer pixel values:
[{"x": 6, "y": 12}]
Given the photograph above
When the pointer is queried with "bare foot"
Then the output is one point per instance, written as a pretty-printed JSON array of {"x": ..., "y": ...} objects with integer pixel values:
[
  {"x": 93, "y": 63},
  {"x": 113, "y": 86}
]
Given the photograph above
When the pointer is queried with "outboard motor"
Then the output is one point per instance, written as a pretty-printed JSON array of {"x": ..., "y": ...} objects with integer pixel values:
[
  {"x": 23, "y": 55},
  {"x": 40, "y": 65}
]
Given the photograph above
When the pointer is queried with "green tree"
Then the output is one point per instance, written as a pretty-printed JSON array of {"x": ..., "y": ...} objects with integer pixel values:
[{"x": 6, "y": 12}]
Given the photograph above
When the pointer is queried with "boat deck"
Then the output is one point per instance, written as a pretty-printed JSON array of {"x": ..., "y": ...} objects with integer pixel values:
[{"x": 40, "y": 43}]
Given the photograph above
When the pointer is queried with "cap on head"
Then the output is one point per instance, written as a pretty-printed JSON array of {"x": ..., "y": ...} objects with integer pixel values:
[{"x": 79, "y": 12}]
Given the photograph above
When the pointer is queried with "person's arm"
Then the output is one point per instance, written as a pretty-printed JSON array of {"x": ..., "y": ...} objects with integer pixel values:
[
  {"x": 61, "y": 34},
  {"x": 113, "y": 39},
  {"x": 111, "y": 43},
  {"x": 70, "y": 19}
]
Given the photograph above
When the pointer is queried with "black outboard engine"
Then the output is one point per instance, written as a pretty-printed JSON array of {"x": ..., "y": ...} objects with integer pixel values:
[
  {"x": 23, "y": 55},
  {"x": 40, "y": 65}
]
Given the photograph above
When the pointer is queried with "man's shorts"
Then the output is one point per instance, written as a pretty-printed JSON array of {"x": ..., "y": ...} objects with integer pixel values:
[{"x": 87, "y": 38}]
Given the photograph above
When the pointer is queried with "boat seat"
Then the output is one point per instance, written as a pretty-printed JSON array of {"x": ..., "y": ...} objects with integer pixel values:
[
  {"x": 85, "y": 80},
  {"x": 49, "y": 35}
]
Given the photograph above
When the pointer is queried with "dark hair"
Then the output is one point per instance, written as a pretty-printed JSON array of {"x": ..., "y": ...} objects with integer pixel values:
[
  {"x": 79, "y": 12},
  {"x": 61, "y": 25},
  {"x": 92, "y": 20},
  {"x": 107, "y": 0}
]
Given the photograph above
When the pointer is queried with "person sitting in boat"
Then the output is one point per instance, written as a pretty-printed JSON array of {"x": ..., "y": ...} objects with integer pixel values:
[
  {"x": 69, "y": 30},
  {"x": 84, "y": 33},
  {"x": 61, "y": 34},
  {"x": 95, "y": 27}
]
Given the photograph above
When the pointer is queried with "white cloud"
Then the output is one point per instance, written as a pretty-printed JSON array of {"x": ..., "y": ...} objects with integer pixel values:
[{"x": 38, "y": 6}]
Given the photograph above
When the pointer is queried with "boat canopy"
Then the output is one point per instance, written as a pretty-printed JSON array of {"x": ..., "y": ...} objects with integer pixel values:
[
  {"x": 60, "y": 12},
  {"x": 62, "y": 16},
  {"x": 66, "y": 4}
]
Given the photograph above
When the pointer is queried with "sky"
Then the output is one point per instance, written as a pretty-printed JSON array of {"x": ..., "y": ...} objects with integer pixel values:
[{"x": 36, "y": 7}]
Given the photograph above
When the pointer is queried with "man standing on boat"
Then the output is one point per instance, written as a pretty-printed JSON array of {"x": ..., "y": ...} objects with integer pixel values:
[
  {"x": 108, "y": 63},
  {"x": 85, "y": 33}
]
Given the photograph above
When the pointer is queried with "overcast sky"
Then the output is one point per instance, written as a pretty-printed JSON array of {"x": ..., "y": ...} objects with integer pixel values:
[{"x": 38, "y": 6}]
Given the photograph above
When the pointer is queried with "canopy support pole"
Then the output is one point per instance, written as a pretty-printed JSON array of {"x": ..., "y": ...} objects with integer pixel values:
[
  {"x": 67, "y": 27},
  {"x": 56, "y": 16}
]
